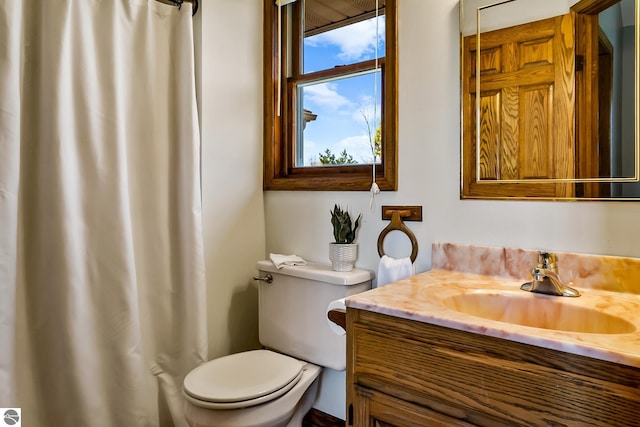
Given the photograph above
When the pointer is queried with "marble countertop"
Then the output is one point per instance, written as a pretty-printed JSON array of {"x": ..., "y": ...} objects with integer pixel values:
[{"x": 424, "y": 297}]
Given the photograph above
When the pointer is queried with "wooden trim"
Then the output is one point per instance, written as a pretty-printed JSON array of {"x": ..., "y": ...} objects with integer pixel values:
[
  {"x": 343, "y": 70},
  {"x": 410, "y": 213},
  {"x": 587, "y": 112},
  {"x": 390, "y": 91},
  {"x": 593, "y": 7},
  {"x": 270, "y": 75},
  {"x": 396, "y": 412},
  {"x": 316, "y": 418}
]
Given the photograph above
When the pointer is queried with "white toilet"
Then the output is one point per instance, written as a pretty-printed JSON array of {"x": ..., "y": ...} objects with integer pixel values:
[{"x": 277, "y": 386}]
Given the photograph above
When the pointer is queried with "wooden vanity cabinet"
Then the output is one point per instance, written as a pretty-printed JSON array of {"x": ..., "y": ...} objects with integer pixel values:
[{"x": 408, "y": 373}]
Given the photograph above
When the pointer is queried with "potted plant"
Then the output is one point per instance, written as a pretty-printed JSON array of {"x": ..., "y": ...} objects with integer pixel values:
[{"x": 343, "y": 252}]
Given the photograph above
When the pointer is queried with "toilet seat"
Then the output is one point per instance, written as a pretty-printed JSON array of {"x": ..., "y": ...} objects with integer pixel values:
[{"x": 242, "y": 380}]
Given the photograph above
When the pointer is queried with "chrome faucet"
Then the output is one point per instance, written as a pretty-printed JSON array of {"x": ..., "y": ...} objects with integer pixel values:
[{"x": 546, "y": 279}]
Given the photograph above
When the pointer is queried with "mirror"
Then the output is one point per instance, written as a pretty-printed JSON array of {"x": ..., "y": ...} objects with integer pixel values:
[{"x": 541, "y": 126}]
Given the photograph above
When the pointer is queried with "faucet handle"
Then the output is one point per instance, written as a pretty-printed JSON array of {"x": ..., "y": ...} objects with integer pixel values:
[{"x": 547, "y": 260}]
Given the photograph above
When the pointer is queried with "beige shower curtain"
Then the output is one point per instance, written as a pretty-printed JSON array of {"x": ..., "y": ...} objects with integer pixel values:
[{"x": 102, "y": 286}]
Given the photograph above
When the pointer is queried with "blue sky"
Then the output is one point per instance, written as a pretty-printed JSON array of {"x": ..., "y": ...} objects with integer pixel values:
[{"x": 342, "y": 105}]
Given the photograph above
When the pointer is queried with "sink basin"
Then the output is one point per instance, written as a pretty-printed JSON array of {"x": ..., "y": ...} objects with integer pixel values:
[{"x": 538, "y": 311}]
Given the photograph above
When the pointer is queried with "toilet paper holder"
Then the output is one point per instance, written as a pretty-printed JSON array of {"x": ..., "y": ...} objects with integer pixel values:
[{"x": 339, "y": 317}]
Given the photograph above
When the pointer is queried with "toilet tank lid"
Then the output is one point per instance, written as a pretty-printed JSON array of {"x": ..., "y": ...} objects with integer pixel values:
[{"x": 319, "y": 272}]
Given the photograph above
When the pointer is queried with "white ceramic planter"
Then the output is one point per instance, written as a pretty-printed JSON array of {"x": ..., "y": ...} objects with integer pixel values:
[{"x": 343, "y": 256}]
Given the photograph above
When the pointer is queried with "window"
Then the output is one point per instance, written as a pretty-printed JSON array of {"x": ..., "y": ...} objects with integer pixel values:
[{"x": 330, "y": 95}]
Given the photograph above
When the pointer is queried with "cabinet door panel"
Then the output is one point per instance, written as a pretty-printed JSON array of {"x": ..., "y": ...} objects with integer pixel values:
[{"x": 380, "y": 410}]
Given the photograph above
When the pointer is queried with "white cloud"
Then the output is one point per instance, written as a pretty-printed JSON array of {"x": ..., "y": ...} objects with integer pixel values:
[
  {"x": 356, "y": 41},
  {"x": 358, "y": 146},
  {"x": 325, "y": 95}
]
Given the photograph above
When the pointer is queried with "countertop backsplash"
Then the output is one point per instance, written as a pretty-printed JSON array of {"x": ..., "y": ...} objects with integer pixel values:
[{"x": 610, "y": 273}]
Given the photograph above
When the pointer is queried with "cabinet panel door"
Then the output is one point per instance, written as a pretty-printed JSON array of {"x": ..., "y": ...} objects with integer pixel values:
[{"x": 375, "y": 409}]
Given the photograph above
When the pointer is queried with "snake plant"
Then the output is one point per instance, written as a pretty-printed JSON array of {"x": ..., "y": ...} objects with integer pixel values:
[{"x": 343, "y": 230}]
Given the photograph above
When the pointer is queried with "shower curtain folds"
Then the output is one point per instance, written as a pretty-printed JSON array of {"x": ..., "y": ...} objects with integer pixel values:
[{"x": 102, "y": 281}]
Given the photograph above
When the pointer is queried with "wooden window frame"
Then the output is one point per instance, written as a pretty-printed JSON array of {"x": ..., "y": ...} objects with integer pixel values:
[{"x": 280, "y": 172}]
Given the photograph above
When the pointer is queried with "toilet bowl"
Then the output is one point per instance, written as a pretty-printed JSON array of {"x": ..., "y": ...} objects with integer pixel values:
[
  {"x": 270, "y": 390},
  {"x": 276, "y": 386}
]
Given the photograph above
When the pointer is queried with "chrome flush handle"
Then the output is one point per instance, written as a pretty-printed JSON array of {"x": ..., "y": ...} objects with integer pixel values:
[{"x": 267, "y": 278}]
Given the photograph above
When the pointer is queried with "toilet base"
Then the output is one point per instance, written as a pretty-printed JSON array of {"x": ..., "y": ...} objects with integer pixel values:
[{"x": 286, "y": 411}]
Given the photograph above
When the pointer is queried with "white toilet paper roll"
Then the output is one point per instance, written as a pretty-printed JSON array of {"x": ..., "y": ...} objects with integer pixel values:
[{"x": 337, "y": 304}]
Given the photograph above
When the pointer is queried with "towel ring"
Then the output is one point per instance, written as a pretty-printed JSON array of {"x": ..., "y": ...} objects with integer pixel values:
[{"x": 397, "y": 224}]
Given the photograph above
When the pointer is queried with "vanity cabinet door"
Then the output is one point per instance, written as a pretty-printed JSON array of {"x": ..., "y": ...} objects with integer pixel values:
[{"x": 375, "y": 409}]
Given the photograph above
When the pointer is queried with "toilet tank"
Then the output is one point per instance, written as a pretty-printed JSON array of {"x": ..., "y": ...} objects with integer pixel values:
[{"x": 293, "y": 310}]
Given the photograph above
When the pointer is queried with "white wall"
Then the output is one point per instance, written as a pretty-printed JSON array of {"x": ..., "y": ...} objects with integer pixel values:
[
  {"x": 231, "y": 120},
  {"x": 429, "y": 152}
]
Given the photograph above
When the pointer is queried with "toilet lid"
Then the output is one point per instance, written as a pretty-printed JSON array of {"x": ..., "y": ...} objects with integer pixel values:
[{"x": 242, "y": 376}]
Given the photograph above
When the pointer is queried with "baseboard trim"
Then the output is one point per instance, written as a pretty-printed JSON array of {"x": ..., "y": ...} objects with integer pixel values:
[{"x": 315, "y": 418}]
